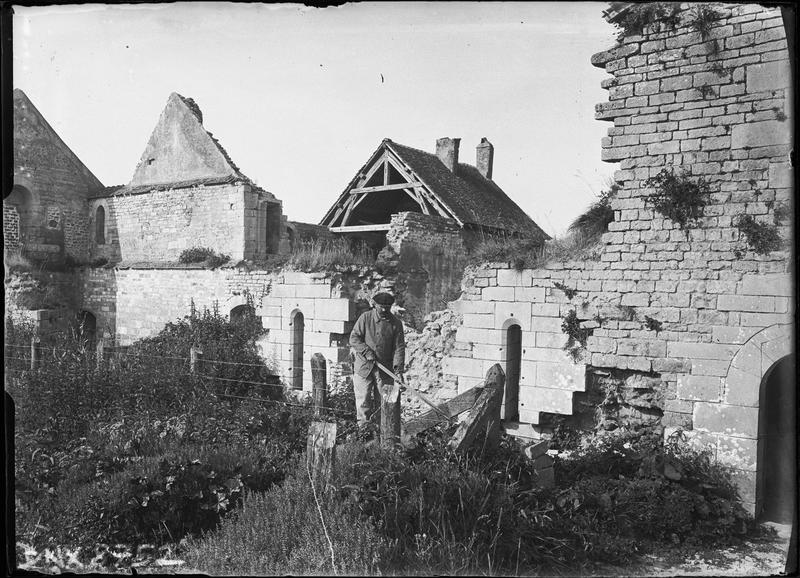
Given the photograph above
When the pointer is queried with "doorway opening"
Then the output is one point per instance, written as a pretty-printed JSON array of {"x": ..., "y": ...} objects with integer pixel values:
[
  {"x": 776, "y": 483},
  {"x": 513, "y": 365},
  {"x": 298, "y": 327}
]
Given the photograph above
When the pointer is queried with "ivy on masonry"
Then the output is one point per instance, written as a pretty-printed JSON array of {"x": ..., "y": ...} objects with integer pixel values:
[
  {"x": 568, "y": 291},
  {"x": 578, "y": 335},
  {"x": 761, "y": 237},
  {"x": 677, "y": 197}
]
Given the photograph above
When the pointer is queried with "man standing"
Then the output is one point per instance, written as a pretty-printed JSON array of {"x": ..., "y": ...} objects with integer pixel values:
[{"x": 376, "y": 336}]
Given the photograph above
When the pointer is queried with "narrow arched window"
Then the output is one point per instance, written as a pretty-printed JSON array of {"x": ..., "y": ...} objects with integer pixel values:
[{"x": 100, "y": 226}]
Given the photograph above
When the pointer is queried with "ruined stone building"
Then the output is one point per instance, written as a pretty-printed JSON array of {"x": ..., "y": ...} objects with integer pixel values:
[{"x": 678, "y": 325}]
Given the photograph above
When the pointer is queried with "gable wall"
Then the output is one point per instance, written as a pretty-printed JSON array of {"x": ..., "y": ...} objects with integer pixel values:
[{"x": 711, "y": 293}]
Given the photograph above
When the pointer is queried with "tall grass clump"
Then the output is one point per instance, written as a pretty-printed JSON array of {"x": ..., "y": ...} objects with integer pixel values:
[
  {"x": 203, "y": 255},
  {"x": 15, "y": 260},
  {"x": 324, "y": 254},
  {"x": 595, "y": 220}
]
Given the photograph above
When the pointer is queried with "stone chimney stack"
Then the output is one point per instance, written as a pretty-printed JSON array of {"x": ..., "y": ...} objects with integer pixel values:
[
  {"x": 484, "y": 158},
  {"x": 447, "y": 151}
]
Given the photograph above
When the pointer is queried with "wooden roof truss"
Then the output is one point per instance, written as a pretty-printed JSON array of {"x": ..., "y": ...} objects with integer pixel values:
[{"x": 381, "y": 178}]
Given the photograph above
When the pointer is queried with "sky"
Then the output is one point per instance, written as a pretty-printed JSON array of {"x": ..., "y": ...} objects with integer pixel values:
[{"x": 300, "y": 97}]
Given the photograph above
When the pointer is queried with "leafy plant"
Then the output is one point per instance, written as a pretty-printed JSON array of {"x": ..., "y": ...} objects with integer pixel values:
[
  {"x": 677, "y": 197},
  {"x": 761, "y": 237},
  {"x": 702, "y": 19},
  {"x": 637, "y": 17},
  {"x": 652, "y": 324},
  {"x": 577, "y": 335},
  {"x": 594, "y": 221},
  {"x": 205, "y": 255},
  {"x": 568, "y": 291}
]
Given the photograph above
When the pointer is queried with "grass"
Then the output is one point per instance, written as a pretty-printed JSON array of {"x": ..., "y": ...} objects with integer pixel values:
[
  {"x": 325, "y": 254},
  {"x": 208, "y": 257},
  {"x": 15, "y": 260}
]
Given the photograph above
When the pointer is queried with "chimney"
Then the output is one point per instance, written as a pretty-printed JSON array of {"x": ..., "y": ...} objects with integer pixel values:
[
  {"x": 484, "y": 158},
  {"x": 447, "y": 151}
]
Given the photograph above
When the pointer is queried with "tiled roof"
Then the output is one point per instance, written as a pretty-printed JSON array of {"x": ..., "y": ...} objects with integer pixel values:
[{"x": 472, "y": 197}]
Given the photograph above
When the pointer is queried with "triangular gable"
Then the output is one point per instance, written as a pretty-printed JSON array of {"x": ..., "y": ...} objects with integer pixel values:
[
  {"x": 385, "y": 184},
  {"x": 35, "y": 142},
  {"x": 181, "y": 150}
]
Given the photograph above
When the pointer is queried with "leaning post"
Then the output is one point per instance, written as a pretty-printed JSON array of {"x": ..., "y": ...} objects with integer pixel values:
[{"x": 319, "y": 378}]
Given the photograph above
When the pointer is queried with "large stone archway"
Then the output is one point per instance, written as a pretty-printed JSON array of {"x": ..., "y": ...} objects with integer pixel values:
[{"x": 733, "y": 425}]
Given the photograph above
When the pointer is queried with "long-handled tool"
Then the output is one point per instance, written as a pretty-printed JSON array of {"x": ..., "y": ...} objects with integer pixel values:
[{"x": 385, "y": 369}]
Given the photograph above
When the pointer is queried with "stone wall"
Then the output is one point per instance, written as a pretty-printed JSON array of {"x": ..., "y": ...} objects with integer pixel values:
[
  {"x": 696, "y": 309},
  {"x": 134, "y": 303},
  {"x": 157, "y": 226},
  {"x": 426, "y": 255},
  {"x": 50, "y": 187}
]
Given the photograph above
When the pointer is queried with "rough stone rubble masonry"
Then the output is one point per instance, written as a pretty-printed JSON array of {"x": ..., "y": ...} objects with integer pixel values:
[{"x": 720, "y": 112}]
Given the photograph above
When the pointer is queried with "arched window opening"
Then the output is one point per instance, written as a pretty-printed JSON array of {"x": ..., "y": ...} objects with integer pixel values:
[
  {"x": 298, "y": 327},
  {"x": 242, "y": 312},
  {"x": 776, "y": 484},
  {"x": 22, "y": 200},
  {"x": 100, "y": 225},
  {"x": 513, "y": 365}
]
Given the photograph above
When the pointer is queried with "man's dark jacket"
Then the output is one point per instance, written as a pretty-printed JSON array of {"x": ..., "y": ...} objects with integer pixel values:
[{"x": 384, "y": 336}]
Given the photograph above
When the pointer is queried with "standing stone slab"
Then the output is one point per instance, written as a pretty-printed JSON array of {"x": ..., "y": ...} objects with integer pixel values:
[{"x": 482, "y": 426}]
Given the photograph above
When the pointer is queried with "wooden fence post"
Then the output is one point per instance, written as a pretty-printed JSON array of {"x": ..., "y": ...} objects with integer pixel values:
[
  {"x": 319, "y": 377},
  {"x": 101, "y": 350},
  {"x": 321, "y": 452},
  {"x": 195, "y": 356},
  {"x": 36, "y": 352},
  {"x": 390, "y": 414}
]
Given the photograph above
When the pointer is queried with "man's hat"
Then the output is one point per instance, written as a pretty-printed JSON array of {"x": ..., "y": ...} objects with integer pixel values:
[{"x": 383, "y": 298}]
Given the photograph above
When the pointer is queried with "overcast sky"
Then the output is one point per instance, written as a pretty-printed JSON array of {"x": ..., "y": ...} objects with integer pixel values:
[{"x": 300, "y": 97}]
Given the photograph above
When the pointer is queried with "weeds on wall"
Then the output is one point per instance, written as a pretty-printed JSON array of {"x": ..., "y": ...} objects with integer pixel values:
[
  {"x": 325, "y": 254},
  {"x": 595, "y": 220},
  {"x": 761, "y": 237},
  {"x": 639, "y": 17},
  {"x": 677, "y": 197},
  {"x": 702, "y": 19},
  {"x": 568, "y": 291},
  {"x": 652, "y": 324},
  {"x": 577, "y": 335},
  {"x": 208, "y": 257}
]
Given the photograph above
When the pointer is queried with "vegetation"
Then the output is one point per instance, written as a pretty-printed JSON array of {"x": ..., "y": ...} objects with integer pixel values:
[
  {"x": 638, "y": 17},
  {"x": 326, "y": 254},
  {"x": 702, "y": 19},
  {"x": 208, "y": 257},
  {"x": 16, "y": 260},
  {"x": 652, "y": 324},
  {"x": 595, "y": 220},
  {"x": 761, "y": 237},
  {"x": 577, "y": 335},
  {"x": 568, "y": 291},
  {"x": 677, "y": 197},
  {"x": 424, "y": 510},
  {"x": 141, "y": 451}
]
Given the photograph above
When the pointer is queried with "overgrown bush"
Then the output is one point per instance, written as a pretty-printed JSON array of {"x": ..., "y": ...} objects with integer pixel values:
[
  {"x": 594, "y": 221},
  {"x": 204, "y": 255},
  {"x": 638, "y": 17},
  {"x": 761, "y": 237},
  {"x": 677, "y": 197},
  {"x": 576, "y": 335}
]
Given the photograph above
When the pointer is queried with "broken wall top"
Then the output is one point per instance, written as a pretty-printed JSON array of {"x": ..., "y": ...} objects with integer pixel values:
[{"x": 181, "y": 150}]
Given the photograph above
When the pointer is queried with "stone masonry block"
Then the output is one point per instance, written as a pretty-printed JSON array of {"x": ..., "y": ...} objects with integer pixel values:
[
  {"x": 296, "y": 278},
  {"x": 546, "y": 309},
  {"x": 701, "y": 350},
  {"x": 741, "y": 388},
  {"x": 767, "y": 76},
  {"x": 567, "y": 375},
  {"x": 729, "y": 420},
  {"x": 283, "y": 290},
  {"x": 463, "y": 366},
  {"x": 466, "y": 334},
  {"x": 476, "y": 307},
  {"x": 520, "y": 312},
  {"x": 311, "y": 291},
  {"x": 530, "y": 294},
  {"x": 551, "y": 340},
  {"x": 305, "y": 306},
  {"x": 550, "y": 324},
  {"x": 746, "y": 303},
  {"x": 546, "y": 399},
  {"x": 490, "y": 352},
  {"x": 737, "y": 452},
  {"x": 498, "y": 294},
  {"x": 714, "y": 367},
  {"x": 334, "y": 309},
  {"x": 699, "y": 387},
  {"x": 760, "y": 134},
  {"x": 734, "y": 335},
  {"x": 778, "y": 285},
  {"x": 328, "y": 326},
  {"x": 514, "y": 278}
]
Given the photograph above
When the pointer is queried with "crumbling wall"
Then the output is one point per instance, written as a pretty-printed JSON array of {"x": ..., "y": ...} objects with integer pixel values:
[
  {"x": 426, "y": 255},
  {"x": 156, "y": 226},
  {"x": 697, "y": 305}
]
